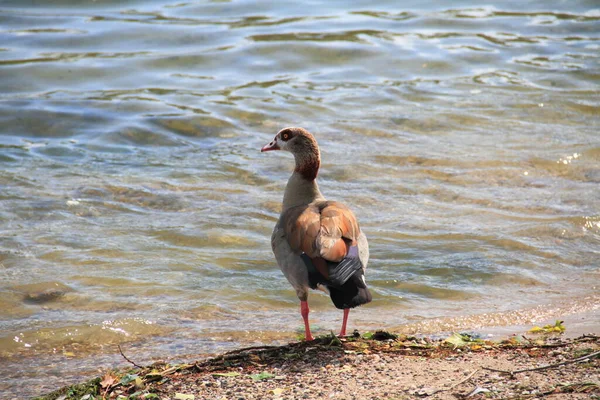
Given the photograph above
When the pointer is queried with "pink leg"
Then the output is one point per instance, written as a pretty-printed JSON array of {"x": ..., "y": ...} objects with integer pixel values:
[
  {"x": 343, "y": 331},
  {"x": 304, "y": 311}
]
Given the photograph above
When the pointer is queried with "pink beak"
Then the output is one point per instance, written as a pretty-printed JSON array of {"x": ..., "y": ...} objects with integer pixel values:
[{"x": 271, "y": 146}]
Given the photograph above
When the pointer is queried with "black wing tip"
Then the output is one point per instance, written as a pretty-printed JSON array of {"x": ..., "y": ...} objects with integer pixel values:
[
  {"x": 340, "y": 273},
  {"x": 352, "y": 294}
]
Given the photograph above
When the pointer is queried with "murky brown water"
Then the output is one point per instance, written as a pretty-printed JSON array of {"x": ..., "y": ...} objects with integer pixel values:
[{"x": 136, "y": 208}]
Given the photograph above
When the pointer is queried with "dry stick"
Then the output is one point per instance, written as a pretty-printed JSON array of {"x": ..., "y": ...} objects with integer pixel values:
[
  {"x": 592, "y": 355},
  {"x": 108, "y": 388},
  {"x": 457, "y": 384},
  {"x": 585, "y": 338},
  {"x": 128, "y": 360},
  {"x": 253, "y": 348}
]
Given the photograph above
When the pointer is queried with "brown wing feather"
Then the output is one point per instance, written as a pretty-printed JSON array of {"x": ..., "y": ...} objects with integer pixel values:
[
  {"x": 339, "y": 229},
  {"x": 302, "y": 228},
  {"x": 325, "y": 229}
]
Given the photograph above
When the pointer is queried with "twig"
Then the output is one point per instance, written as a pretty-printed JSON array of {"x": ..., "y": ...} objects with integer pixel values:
[
  {"x": 253, "y": 348},
  {"x": 106, "y": 391},
  {"x": 585, "y": 338},
  {"x": 457, "y": 384},
  {"x": 575, "y": 360},
  {"x": 128, "y": 360},
  {"x": 555, "y": 390}
]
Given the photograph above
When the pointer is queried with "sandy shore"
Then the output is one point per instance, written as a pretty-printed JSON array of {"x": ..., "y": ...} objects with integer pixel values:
[{"x": 384, "y": 366}]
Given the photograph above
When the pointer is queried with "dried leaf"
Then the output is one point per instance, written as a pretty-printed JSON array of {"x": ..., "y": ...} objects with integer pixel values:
[
  {"x": 182, "y": 396},
  {"x": 139, "y": 384},
  {"x": 277, "y": 391},
  {"x": 108, "y": 380},
  {"x": 478, "y": 390}
]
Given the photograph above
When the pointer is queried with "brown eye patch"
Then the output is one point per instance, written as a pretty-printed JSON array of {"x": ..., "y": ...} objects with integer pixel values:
[{"x": 286, "y": 135}]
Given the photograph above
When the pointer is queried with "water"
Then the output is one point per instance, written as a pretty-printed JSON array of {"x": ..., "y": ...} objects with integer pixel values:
[{"x": 136, "y": 207}]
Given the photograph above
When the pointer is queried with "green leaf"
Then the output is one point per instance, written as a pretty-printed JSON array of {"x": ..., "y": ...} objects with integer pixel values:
[
  {"x": 262, "y": 376},
  {"x": 456, "y": 340},
  {"x": 335, "y": 341},
  {"x": 152, "y": 376},
  {"x": 226, "y": 374},
  {"x": 368, "y": 335},
  {"x": 135, "y": 396},
  {"x": 462, "y": 339},
  {"x": 127, "y": 379}
]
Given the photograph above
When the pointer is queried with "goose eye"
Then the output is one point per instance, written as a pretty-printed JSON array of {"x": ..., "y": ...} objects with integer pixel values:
[{"x": 285, "y": 136}]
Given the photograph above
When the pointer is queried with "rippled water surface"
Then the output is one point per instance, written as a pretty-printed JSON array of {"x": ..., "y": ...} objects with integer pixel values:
[{"x": 136, "y": 207}]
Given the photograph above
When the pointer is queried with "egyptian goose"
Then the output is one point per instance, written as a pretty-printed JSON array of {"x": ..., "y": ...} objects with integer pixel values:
[{"x": 317, "y": 243}]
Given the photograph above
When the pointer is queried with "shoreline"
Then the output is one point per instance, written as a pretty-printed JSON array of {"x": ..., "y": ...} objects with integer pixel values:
[
  {"x": 372, "y": 366},
  {"x": 578, "y": 321},
  {"x": 581, "y": 315}
]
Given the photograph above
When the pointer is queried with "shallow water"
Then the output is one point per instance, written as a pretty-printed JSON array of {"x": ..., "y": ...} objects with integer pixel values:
[{"x": 136, "y": 207}]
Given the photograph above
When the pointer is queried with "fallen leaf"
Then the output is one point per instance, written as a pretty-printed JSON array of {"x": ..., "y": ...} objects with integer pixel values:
[
  {"x": 182, "y": 396},
  {"x": 226, "y": 374},
  {"x": 558, "y": 327},
  {"x": 139, "y": 384},
  {"x": 262, "y": 376},
  {"x": 277, "y": 391},
  {"x": 462, "y": 339},
  {"x": 478, "y": 390},
  {"x": 367, "y": 335},
  {"x": 127, "y": 379},
  {"x": 153, "y": 375},
  {"x": 108, "y": 380}
]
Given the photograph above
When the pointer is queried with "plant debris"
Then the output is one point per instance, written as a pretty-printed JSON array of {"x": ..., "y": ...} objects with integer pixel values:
[
  {"x": 380, "y": 365},
  {"x": 557, "y": 328}
]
